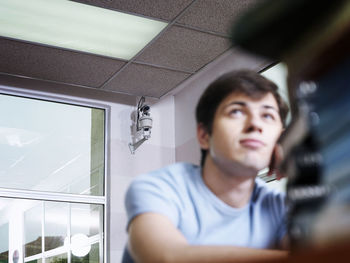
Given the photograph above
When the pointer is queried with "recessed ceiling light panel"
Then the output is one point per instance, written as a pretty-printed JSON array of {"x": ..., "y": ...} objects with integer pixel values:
[{"x": 71, "y": 25}]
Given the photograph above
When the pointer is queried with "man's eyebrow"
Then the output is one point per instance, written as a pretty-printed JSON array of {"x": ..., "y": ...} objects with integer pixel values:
[
  {"x": 244, "y": 104},
  {"x": 269, "y": 107},
  {"x": 241, "y": 103}
]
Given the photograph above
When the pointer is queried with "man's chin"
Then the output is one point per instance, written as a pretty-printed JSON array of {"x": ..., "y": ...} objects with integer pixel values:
[
  {"x": 250, "y": 168},
  {"x": 240, "y": 169},
  {"x": 256, "y": 168},
  {"x": 254, "y": 164}
]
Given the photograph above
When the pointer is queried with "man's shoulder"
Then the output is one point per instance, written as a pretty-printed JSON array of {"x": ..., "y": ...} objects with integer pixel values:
[
  {"x": 162, "y": 191},
  {"x": 180, "y": 167},
  {"x": 177, "y": 172}
]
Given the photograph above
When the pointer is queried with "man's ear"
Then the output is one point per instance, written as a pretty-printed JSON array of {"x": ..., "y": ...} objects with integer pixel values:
[{"x": 202, "y": 136}]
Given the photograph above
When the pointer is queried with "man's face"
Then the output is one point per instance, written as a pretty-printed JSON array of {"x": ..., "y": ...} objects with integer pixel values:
[{"x": 245, "y": 131}]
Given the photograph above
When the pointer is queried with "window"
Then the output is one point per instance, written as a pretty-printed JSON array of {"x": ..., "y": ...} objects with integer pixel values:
[
  {"x": 278, "y": 74},
  {"x": 49, "y": 146},
  {"x": 52, "y": 177}
]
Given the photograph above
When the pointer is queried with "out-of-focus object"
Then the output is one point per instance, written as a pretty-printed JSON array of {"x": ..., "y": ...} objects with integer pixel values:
[{"x": 313, "y": 39}]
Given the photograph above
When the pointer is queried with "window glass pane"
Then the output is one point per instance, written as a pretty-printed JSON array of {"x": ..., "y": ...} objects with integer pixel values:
[
  {"x": 4, "y": 242},
  {"x": 34, "y": 261},
  {"x": 91, "y": 257},
  {"x": 25, "y": 218},
  {"x": 32, "y": 230},
  {"x": 86, "y": 234},
  {"x": 51, "y": 146},
  {"x": 278, "y": 74},
  {"x": 56, "y": 224},
  {"x": 86, "y": 219},
  {"x": 57, "y": 259}
]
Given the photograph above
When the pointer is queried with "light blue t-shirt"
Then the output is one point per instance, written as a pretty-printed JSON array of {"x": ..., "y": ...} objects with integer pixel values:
[{"x": 179, "y": 192}]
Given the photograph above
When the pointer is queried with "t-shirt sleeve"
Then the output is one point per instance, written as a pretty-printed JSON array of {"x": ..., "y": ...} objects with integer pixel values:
[{"x": 152, "y": 193}]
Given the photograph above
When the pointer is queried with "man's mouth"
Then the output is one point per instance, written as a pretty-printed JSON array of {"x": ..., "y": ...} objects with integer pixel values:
[{"x": 252, "y": 143}]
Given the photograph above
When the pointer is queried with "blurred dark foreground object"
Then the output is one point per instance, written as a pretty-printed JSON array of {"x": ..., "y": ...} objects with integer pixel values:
[
  {"x": 338, "y": 253},
  {"x": 313, "y": 39}
]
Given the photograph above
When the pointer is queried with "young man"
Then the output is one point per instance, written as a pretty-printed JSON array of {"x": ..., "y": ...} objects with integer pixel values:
[{"x": 219, "y": 212}]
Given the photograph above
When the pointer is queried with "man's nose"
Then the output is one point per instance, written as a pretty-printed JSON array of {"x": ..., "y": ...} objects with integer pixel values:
[{"x": 253, "y": 123}]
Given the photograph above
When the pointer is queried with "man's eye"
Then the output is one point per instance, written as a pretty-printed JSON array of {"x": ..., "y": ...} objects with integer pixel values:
[
  {"x": 236, "y": 112},
  {"x": 268, "y": 116}
]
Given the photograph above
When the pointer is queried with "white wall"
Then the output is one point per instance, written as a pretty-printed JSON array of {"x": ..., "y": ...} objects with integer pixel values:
[
  {"x": 158, "y": 151},
  {"x": 187, "y": 148}
]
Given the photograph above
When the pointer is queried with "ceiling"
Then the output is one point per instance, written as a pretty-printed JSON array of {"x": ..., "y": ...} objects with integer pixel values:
[{"x": 198, "y": 33}]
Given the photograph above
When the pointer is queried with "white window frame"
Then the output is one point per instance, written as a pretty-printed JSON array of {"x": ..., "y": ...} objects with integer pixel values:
[{"x": 66, "y": 197}]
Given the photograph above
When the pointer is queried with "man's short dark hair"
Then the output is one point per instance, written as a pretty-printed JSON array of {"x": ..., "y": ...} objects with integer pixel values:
[{"x": 247, "y": 82}]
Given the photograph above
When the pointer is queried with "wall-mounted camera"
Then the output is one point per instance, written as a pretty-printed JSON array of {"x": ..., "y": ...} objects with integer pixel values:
[
  {"x": 143, "y": 125},
  {"x": 144, "y": 121}
]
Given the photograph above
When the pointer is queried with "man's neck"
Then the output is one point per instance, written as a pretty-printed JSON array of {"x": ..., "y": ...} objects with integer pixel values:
[{"x": 232, "y": 186}]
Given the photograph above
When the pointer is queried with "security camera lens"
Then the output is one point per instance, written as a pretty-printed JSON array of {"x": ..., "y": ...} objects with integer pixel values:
[{"x": 145, "y": 108}]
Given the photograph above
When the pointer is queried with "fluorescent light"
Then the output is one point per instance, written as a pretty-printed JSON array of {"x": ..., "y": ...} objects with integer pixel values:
[{"x": 76, "y": 26}]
